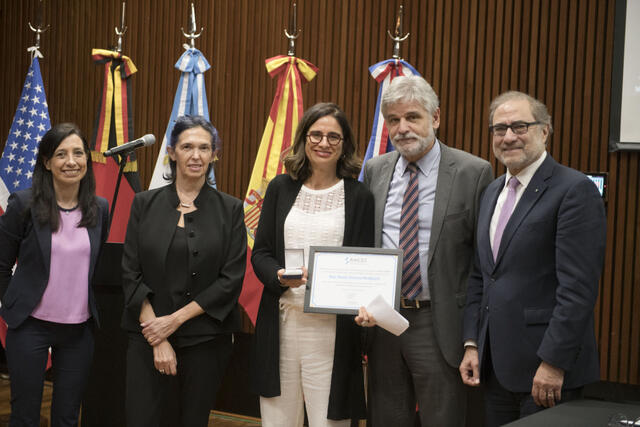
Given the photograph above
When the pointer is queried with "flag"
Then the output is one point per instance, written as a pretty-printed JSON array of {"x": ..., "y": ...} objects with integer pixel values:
[
  {"x": 285, "y": 113},
  {"x": 29, "y": 125},
  {"x": 383, "y": 72},
  {"x": 113, "y": 127},
  {"x": 190, "y": 99}
]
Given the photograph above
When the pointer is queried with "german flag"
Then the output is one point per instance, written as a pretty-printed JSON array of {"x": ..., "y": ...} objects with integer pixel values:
[{"x": 113, "y": 127}]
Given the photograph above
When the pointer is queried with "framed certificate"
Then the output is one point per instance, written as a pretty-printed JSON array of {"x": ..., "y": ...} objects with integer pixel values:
[{"x": 342, "y": 279}]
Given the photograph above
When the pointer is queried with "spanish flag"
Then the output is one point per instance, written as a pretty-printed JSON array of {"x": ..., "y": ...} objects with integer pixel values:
[
  {"x": 113, "y": 127},
  {"x": 277, "y": 138}
]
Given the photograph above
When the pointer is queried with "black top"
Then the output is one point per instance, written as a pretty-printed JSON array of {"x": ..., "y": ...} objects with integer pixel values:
[
  {"x": 213, "y": 261},
  {"x": 175, "y": 288}
]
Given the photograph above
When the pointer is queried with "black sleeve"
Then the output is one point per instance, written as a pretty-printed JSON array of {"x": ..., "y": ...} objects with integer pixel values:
[
  {"x": 11, "y": 230},
  {"x": 364, "y": 217},
  {"x": 134, "y": 289},
  {"x": 264, "y": 257},
  {"x": 221, "y": 296}
]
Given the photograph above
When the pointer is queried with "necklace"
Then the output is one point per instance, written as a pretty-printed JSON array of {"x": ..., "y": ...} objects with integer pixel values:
[
  {"x": 67, "y": 211},
  {"x": 182, "y": 195}
]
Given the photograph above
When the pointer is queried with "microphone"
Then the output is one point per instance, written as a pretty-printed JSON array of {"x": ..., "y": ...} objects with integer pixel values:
[{"x": 145, "y": 141}]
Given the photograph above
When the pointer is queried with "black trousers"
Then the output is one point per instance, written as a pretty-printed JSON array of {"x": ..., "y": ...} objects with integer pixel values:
[
  {"x": 71, "y": 355},
  {"x": 154, "y": 399}
]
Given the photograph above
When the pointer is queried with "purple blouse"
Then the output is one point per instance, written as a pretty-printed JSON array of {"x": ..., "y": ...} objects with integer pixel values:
[{"x": 66, "y": 298}]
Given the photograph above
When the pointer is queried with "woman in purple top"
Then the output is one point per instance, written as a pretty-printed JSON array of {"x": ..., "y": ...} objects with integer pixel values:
[{"x": 56, "y": 228}]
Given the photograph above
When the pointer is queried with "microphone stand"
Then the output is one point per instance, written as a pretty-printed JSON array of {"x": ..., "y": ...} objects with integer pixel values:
[{"x": 121, "y": 160}]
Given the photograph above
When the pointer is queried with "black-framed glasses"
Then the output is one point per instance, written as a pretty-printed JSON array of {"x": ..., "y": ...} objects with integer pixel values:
[
  {"x": 316, "y": 138},
  {"x": 519, "y": 128}
]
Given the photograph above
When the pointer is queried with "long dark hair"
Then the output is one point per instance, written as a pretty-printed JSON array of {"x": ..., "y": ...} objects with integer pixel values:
[
  {"x": 44, "y": 205},
  {"x": 297, "y": 163}
]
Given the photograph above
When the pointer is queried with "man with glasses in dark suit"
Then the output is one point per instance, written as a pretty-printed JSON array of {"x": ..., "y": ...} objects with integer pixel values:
[{"x": 528, "y": 323}]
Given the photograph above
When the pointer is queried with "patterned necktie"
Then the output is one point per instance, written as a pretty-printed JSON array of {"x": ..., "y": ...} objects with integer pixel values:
[
  {"x": 411, "y": 280},
  {"x": 505, "y": 213}
]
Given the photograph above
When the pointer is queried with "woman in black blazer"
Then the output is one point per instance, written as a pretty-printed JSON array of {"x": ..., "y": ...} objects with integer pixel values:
[
  {"x": 183, "y": 265},
  {"x": 56, "y": 228},
  {"x": 296, "y": 357}
]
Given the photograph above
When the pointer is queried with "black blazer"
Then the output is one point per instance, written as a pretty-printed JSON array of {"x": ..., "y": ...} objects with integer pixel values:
[
  {"x": 217, "y": 242},
  {"x": 22, "y": 237},
  {"x": 346, "y": 398},
  {"x": 535, "y": 302}
]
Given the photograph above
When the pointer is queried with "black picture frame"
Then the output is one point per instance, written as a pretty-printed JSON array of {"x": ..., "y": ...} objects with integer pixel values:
[{"x": 354, "y": 252}]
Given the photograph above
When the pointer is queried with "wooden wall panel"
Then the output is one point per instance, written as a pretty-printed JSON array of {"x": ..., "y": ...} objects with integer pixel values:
[{"x": 558, "y": 50}]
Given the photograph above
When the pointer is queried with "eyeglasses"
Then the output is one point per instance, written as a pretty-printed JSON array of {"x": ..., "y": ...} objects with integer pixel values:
[
  {"x": 316, "y": 138},
  {"x": 519, "y": 128}
]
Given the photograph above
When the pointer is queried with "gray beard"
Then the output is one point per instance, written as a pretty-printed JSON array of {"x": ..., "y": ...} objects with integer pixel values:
[{"x": 416, "y": 149}]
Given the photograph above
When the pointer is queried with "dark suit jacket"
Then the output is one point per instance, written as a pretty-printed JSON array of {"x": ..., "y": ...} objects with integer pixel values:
[
  {"x": 461, "y": 180},
  {"x": 346, "y": 399},
  {"x": 22, "y": 237},
  {"x": 535, "y": 302},
  {"x": 217, "y": 242}
]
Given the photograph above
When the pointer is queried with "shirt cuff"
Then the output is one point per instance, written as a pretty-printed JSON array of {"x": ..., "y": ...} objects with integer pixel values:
[{"x": 470, "y": 343}]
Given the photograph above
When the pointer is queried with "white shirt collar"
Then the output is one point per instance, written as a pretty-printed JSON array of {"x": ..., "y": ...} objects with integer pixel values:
[{"x": 525, "y": 175}]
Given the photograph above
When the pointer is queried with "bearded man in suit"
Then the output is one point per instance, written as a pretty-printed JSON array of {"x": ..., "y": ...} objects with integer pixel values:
[{"x": 426, "y": 198}]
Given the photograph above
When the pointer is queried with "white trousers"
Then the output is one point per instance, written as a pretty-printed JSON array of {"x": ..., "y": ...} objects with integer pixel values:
[{"x": 307, "y": 342}]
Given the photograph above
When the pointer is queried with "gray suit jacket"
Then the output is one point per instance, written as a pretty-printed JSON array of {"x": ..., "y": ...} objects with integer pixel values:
[{"x": 462, "y": 178}]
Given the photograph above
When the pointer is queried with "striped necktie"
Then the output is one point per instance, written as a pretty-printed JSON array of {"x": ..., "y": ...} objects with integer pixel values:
[{"x": 411, "y": 280}]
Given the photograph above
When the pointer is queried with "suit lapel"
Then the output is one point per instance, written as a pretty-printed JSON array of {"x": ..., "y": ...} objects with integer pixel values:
[
  {"x": 381, "y": 189},
  {"x": 168, "y": 223},
  {"x": 94, "y": 240},
  {"x": 484, "y": 220},
  {"x": 43, "y": 232},
  {"x": 530, "y": 197},
  {"x": 446, "y": 176}
]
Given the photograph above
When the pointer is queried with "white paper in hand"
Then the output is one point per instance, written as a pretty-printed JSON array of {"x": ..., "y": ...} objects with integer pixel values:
[{"x": 386, "y": 317}]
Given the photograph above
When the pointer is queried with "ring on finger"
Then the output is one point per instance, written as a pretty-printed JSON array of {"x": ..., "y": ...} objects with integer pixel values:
[{"x": 162, "y": 371}]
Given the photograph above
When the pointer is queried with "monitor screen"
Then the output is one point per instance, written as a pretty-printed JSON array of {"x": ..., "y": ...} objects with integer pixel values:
[{"x": 600, "y": 180}]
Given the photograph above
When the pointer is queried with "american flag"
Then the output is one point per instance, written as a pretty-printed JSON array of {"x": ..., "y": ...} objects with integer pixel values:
[{"x": 30, "y": 123}]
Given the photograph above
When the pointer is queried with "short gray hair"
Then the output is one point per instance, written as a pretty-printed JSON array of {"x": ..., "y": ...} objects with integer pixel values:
[
  {"x": 538, "y": 109},
  {"x": 408, "y": 89}
]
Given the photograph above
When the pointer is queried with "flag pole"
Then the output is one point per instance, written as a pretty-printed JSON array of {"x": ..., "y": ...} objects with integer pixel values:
[
  {"x": 293, "y": 32},
  {"x": 39, "y": 28},
  {"x": 121, "y": 159},
  {"x": 120, "y": 31},
  {"x": 191, "y": 35},
  {"x": 397, "y": 36}
]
